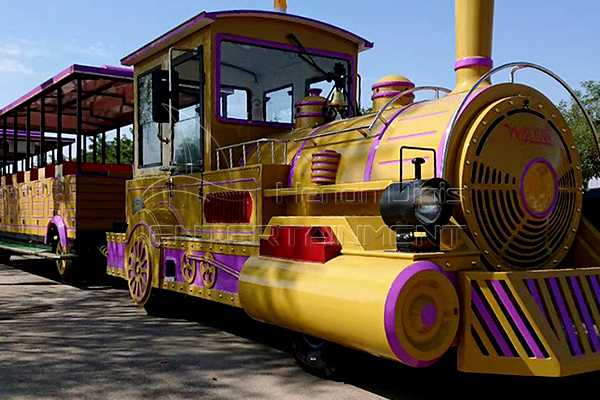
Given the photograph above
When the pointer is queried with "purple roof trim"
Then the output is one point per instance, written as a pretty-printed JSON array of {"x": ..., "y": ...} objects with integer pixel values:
[
  {"x": 107, "y": 71},
  {"x": 210, "y": 17}
]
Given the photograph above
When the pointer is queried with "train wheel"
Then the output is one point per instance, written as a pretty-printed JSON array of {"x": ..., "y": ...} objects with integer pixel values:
[
  {"x": 138, "y": 266},
  {"x": 316, "y": 356},
  {"x": 66, "y": 268},
  {"x": 5, "y": 256}
]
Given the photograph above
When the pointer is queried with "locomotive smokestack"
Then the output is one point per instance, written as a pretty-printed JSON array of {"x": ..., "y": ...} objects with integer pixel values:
[
  {"x": 281, "y": 6},
  {"x": 474, "y": 28}
]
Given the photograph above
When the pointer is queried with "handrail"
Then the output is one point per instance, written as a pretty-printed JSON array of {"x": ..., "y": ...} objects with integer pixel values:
[
  {"x": 437, "y": 90},
  {"x": 369, "y": 127},
  {"x": 257, "y": 142},
  {"x": 515, "y": 66}
]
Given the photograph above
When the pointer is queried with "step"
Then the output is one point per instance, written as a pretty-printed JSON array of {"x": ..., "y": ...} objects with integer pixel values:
[{"x": 34, "y": 250}]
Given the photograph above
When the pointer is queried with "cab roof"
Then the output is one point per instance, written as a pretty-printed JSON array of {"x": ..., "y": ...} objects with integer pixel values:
[{"x": 204, "y": 19}]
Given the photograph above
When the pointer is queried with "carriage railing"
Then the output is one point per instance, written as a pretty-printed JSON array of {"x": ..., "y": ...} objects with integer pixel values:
[{"x": 227, "y": 152}]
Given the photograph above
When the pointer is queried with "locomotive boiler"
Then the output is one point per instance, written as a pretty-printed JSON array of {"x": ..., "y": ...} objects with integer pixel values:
[{"x": 422, "y": 225}]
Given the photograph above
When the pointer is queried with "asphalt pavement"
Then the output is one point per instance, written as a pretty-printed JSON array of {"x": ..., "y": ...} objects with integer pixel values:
[{"x": 92, "y": 342}]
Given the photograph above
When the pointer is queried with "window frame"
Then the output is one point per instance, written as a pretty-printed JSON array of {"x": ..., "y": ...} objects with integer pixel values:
[
  {"x": 201, "y": 106},
  {"x": 220, "y": 38},
  {"x": 140, "y": 140}
]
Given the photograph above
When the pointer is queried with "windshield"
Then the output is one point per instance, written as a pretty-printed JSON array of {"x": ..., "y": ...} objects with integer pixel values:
[{"x": 259, "y": 85}]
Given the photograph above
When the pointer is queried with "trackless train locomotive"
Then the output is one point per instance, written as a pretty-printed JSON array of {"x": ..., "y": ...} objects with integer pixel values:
[{"x": 258, "y": 182}]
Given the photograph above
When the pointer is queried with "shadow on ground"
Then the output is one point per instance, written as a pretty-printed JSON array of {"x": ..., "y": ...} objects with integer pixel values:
[{"x": 83, "y": 342}]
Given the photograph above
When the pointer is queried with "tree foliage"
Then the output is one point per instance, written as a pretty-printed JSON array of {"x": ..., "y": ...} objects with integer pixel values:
[
  {"x": 588, "y": 151},
  {"x": 111, "y": 150}
]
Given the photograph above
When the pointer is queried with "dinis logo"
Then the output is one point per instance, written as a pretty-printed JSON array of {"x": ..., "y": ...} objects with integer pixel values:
[{"x": 527, "y": 135}]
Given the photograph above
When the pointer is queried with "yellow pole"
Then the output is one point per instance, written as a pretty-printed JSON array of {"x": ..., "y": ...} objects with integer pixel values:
[
  {"x": 474, "y": 28},
  {"x": 281, "y": 6}
]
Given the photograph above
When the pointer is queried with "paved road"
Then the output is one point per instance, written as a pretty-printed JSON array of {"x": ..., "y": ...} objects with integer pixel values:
[{"x": 59, "y": 341}]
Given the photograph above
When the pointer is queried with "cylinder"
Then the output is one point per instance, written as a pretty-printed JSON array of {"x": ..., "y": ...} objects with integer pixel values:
[
  {"x": 324, "y": 169},
  {"x": 474, "y": 29},
  {"x": 281, "y": 6},
  {"x": 394, "y": 308}
]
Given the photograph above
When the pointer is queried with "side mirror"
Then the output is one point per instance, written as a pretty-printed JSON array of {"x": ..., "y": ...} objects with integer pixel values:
[{"x": 161, "y": 95}]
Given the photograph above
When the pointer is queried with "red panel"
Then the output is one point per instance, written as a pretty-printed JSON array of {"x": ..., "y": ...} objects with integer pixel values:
[
  {"x": 228, "y": 207},
  {"x": 70, "y": 167},
  {"x": 303, "y": 243}
]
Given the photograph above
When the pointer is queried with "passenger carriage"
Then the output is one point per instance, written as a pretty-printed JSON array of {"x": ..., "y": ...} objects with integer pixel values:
[
  {"x": 59, "y": 194},
  {"x": 454, "y": 221}
]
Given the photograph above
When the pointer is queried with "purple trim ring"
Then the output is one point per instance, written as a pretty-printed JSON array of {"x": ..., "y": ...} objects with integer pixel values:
[
  {"x": 391, "y": 94},
  {"x": 473, "y": 62},
  {"x": 389, "y": 316},
  {"x": 392, "y": 83},
  {"x": 309, "y": 115},
  {"x": 310, "y": 103},
  {"x": 522, "y": 188}
]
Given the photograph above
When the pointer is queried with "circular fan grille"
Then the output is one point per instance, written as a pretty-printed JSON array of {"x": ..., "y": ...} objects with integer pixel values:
[
  {"x": 517, "y": 238},
  {"x": 505, "y": 141}
]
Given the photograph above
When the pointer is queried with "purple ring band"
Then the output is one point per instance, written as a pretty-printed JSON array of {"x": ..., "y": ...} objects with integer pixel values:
[
  {"x": 473, "y": 62},
  {"x": 390, "y": 311},
  {"x": 391, "y": 94},
  {"x": 301, "y": 115},
  {"x": 392, "y": 83}
]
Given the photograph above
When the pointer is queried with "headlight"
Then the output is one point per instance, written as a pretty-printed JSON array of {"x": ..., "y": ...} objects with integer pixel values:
[
  {"x": 416, "y": 207},
  {"x": 428, "y": 205}
]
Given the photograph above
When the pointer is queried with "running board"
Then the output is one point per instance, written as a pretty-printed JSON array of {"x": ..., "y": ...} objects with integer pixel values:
[
  {"x": 34, "y": 251},
  {"x": 542, "y": 323}
]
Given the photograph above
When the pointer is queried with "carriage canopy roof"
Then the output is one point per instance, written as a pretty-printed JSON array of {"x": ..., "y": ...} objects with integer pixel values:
[
  {"x": 106, "y": 97},
  {"x": 204, "y": 19}
]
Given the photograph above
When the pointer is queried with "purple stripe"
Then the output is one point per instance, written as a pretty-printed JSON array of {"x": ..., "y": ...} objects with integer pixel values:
[
  {"x": 536, "y": 295},
  {"x": 586, "y": 314},
  {"x": 414, "y": 135},
  {"x": 522, "y": 188},
  {"x": 390, "y": 311},
  {"x": 298, "y": 154},
  {"x": 424, "y": 115},
  {"x": 392, "y": 83},
  {"x": 323, "y": 178},
  {"x": 594, "y": 281},
  {"x": 517, "y": 318},
  {"x": 324, "y": 171},
  {"x": 377, "y": 140},
  {"x": 214, "y": 15},
  {"x": 324, "y": 164},
  {"x": 306, "y": 115},
  {"x": 310, "y": 103},
  {"x": 491, "y": 324},
  {"x": 407, "y": 160},
  {"x": 391, "y": 94},
  {"x": 564, "y": 315},
  {"x": 473, "y": 62}
]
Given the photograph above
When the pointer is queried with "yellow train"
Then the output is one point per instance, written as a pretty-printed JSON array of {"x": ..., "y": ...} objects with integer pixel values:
[{"x": 422, "y": 225}]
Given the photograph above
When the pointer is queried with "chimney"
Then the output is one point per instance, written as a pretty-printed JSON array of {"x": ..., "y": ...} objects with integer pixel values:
[
  {"x": 474, "y": 28},
  {"x": 281, "y": 6}
]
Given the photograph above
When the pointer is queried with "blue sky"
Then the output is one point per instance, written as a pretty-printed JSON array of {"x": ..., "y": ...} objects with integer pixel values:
[{"x": 414, "y": 38}]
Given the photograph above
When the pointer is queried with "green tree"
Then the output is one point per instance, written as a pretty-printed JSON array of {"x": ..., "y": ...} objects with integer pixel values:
[
  {"x": 588, "y": 151},
  {"x": 111, "y": 150}
]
